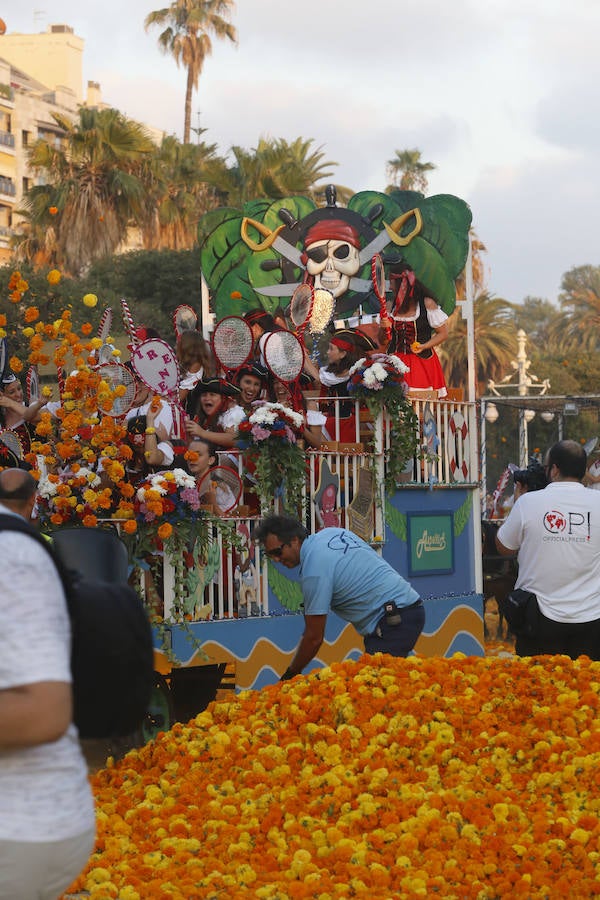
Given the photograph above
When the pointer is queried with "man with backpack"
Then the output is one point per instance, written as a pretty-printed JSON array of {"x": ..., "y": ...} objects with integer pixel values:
[{"x": 47, "y": 824}]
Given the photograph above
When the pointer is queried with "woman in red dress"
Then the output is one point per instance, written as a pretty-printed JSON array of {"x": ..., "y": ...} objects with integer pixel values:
[{"x": 418, "y": 326}]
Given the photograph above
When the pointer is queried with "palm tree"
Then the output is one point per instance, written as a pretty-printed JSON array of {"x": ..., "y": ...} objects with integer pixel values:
[
  {"x": 189, "y": 24},
  {"x": 578, "y": 324},
  {"x": 495, "y": 342},
  {"x": 179, "y": 192},
  {"x": 407, "y": 171},
  {"x": 274, "y": 169},
  {"x": 92, "y": 189}
]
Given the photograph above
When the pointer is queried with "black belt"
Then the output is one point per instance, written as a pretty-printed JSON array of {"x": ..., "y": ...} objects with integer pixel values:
[{"x": 397, "y": 610}]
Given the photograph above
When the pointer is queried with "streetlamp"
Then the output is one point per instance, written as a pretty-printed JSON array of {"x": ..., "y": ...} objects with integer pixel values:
[{"x": 527, "y": 383}]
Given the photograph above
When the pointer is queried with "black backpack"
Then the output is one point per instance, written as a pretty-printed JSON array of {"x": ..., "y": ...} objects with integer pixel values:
[{"x": 112, "y": 657}]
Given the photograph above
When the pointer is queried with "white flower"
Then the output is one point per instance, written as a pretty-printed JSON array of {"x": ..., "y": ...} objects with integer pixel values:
[
  {"x": 397, "y": 363},
  {"x": 378, "y": 371},
  {"x": 46, "y": 488},
  {"x": 183, "y": 480},
  {"x": 357, "y": 365},
  {"x": 369, "y": 378},
  {"x": 157, "y": 483}
]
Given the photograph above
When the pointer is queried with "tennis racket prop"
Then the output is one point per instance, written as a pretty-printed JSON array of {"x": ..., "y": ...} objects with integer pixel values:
[
  {"x": 105, "y": 353},
  {"x": 3, "y": 356},
  {"x": 13, "y": 442},
  {"x": 378, "y": 279},
  {"x": 301, "y": 306},
  {"x": 224, "y": 486},
  {"x": 284, "y": 357},
  {"x": 155, "y": 364},
  {"x": 232, "y": 343},
  {"x": 117, "y": 375},
  {"x": 184, "y": 319}
]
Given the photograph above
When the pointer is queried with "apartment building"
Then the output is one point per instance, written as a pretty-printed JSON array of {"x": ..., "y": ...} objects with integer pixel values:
[{"x": 39, "y": 74}]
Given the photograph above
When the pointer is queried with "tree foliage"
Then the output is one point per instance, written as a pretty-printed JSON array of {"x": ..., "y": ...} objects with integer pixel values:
[{"x": 189, "y": 25}]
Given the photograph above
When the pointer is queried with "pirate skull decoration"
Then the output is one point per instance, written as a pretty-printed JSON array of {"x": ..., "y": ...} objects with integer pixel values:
[{"x": 331, "y": 249}]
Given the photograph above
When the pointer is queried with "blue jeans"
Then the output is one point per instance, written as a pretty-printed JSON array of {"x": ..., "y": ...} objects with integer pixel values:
[{"x": 397, "y": 640}]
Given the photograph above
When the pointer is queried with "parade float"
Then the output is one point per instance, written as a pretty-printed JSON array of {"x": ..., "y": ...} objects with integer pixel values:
[{"x": 407, "y": 481}]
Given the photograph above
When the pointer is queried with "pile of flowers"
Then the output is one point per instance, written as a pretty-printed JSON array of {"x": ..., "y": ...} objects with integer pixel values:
[
  {"x": 462, "y": 777},
  {"x": 379, "y": 383},
  {"x": 269, "y": 438}
]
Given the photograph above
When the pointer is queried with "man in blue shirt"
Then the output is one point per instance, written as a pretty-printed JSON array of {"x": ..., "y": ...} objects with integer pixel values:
[{"x": 340, "y": 572}]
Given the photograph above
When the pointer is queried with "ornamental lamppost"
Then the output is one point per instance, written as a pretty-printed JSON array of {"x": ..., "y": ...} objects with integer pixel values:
[{"x": 525, "y": 383}]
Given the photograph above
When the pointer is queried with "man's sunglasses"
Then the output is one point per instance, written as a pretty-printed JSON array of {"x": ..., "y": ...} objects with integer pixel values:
[{"x": 276, "y": 552}]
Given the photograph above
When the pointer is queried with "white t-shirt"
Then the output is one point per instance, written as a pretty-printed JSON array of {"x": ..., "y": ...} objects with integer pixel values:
[
  {"x": 44, "y": 790},
  {"x": 557, "y": 534}
]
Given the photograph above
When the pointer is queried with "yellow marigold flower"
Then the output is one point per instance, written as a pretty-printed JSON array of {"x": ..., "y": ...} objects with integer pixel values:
[
  {"x": 53, "y": 276},
  {"x": 28, "y": 332},
  {"x": 2, "y": 333},
  {"x": 90, "y": 300}
]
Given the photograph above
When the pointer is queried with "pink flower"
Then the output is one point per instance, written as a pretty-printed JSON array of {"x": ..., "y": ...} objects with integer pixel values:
[{"x": 260, "y": 434}]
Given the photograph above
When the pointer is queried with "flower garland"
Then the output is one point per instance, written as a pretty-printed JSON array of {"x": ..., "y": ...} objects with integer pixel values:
[
  {"x": 269, "y": 437},
  {"x": 373, "y": 778},
  {"x": 379, "y": 383}
]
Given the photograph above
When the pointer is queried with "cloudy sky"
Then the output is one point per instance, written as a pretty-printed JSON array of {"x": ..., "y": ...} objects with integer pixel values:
[{"x": 500, "y": 95}]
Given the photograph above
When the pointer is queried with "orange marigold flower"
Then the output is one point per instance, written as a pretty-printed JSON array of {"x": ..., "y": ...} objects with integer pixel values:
[
  {"x": 31, "y": 314},
  {"x": 2, "y": 321},
  {"x": 15, "y": 364},
  {"x": 86, "y": 328},
  {"x": 53, "y": 276},
  {"x": 53, "y": 210},
  {"x": 130, "y": 526},
  {"x": 90, "y": 521},
  {"x": 165, "y": 531}
]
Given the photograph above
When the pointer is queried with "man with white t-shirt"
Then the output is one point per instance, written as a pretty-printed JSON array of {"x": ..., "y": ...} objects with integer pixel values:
[
  {"x": 47, "y": 822},
  {"x": 556, "y": 532}
]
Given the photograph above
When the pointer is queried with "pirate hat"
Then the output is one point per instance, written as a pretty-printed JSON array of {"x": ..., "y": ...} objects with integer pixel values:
[
  {"x": 216, "y": 386},
  {"x": 354, "y": 340}
]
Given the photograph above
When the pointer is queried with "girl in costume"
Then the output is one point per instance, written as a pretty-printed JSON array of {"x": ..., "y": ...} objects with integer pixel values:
[
  {"x": 195, "y": 361},
  {"x": 252, "y": 378},
  {"x": 15, "y": 415},
  {"x": 346, "y": 347},
  {"x": 214, "y": 414},
  {"x": 262, "y": 324},
  {"x": 201, "y": 460},
  {"x": 418, "y": 326}
]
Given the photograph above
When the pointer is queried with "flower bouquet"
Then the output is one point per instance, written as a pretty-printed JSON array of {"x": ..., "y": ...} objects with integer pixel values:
[
  {"x": 269, "y": 437},
  {"x": 379, "y": 383},
  {"x": 72, "y": 497}
]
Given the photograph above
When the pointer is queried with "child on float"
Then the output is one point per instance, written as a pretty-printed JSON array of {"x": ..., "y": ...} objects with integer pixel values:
[
  {"x": 214, "y": 413},
  {"x": 346, "y": 347},
  {"x": 418, "y": 326},
  {"x": 201, "y": 458},
  {"x": 252, "y": 380},
  {"x": 281, "y": 392},
  {"x": 195, "y": 360},
  {"x": 155, "y": 417},
  {"x": 262, "y": 324},
  {"x": 15, "y": 414}
]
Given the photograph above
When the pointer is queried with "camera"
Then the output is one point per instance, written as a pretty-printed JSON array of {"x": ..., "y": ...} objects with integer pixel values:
[{"x": 533, "y": 478}]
